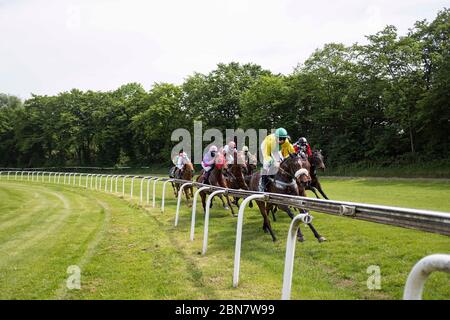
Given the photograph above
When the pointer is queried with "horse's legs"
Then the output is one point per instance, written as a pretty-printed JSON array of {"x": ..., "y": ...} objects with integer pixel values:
[
  {"x": 223, "y": 203},
  {"x": 316, "y": 234},
  {"x": 266, "y": 225},
  {"x": 291, "y": 215},
  {"x": 311, "y": 188},
  {"x": 186, "y": 192},
  {"x": 321, "y": 192},
  {"x": 203, "y": 196},
  {"x": 316, "y": 184},
  {"x": 174, "y": 190},
  {"x": 273, "y": 209},
  {"x": 231, "y": 207}
]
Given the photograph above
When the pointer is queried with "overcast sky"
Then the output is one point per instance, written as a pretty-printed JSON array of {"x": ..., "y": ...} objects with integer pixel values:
[{"x": 48, "y": 46}]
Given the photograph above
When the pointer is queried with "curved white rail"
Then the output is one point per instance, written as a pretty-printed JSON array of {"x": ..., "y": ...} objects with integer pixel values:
[{"x": 420, "y": 272}]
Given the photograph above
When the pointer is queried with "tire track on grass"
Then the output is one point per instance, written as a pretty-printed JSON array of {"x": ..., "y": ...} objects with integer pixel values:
[
  {"x": 13, "y": 248},
  {"x": 62, "y": 292},
  {"x": 30, "y": 207},
  {"x": 195, "y": 272}
]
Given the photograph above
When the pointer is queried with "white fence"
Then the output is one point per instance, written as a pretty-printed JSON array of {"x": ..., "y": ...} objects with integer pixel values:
[{"x": 431, "y": 221}]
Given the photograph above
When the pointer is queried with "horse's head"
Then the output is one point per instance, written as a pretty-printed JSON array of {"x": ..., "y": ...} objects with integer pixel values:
[
  {"x": 188, "y": 170},
  {"x": 293, "y": 165},
  {"x": 317, "y": 160}
]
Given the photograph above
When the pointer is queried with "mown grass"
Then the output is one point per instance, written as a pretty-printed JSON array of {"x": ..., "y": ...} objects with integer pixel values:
[{"x": 130, "y": 252}]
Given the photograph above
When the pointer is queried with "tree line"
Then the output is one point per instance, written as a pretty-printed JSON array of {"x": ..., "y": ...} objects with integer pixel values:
[{"x": 385, "y": 101}]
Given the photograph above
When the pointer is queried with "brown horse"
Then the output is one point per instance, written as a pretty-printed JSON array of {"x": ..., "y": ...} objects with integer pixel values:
[
  {"x": 302, "y": 186},
  {"x": 186, "y": 173},
  {"x": 216, "y": 178},
  {"x": 285, "y": 182},
  {"x": 235, "y": 174},
  {"x": 317, "y": 162}
]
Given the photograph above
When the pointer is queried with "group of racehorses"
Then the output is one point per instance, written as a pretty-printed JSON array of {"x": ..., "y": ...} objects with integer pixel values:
[{"x": 295, "y": 175}]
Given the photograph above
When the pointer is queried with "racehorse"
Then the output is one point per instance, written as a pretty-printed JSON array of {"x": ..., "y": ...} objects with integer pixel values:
[
  {"x": 186, "y": 173},
  {"x": 235, "y": 174},
  {"x": 250, "y": 167},
  {"x": 285, "y": 182},
  {"x": 316, "y": 161},
  {"x": 216, "y": 178}
]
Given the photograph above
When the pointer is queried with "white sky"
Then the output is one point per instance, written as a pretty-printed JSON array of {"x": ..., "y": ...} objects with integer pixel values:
[{"x": 48, "y": 46}]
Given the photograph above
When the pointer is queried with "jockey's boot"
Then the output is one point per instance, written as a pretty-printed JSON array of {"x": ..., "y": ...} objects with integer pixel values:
[
  {"x": 263, "y": 181},
  {"x": 172, "y": 172}
]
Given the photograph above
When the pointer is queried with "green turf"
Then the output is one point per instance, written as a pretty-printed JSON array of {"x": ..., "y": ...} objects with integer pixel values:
[{"x": 129, "y": 252}]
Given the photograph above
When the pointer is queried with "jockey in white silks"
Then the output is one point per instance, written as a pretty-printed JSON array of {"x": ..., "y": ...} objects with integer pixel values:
[
  {"x": 208, "y": 162},
  {"x": 179, "y": 161},
  {"x": 228, "y": 152}
]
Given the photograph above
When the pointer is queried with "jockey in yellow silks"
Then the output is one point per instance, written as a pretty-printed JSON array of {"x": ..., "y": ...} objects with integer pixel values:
[{"x": 274, "y": 148}]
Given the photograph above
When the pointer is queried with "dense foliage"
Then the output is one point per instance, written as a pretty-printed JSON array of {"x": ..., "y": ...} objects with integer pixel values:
[{"x": 385, "y": 101}]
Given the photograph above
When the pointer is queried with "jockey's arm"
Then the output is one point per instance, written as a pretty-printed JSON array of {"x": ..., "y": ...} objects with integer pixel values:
[{"x": 287, "y": 148}]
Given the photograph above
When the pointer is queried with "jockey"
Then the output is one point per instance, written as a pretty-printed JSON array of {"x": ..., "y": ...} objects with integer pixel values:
[
  {"x": 247, "y": 154},
  {"x": 179, "y": 161},
  {"x": 228, "y": 152},
  {"x": 208, "y": 162},
  {"x": 302, "y": 147},
  {"x": 271, "y": 147},
  {"x": 249, "y": 158}
]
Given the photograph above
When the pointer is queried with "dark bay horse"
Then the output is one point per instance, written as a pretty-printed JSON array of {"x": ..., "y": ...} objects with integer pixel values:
[
  {"x": 302, "y": 186},
  {"x": 235, "y": 174},
  {"x": 285, "y": 182},
  {"x": 186, "y": 173},
  {"x": 216, "y": 178},
  {"x": 317, "y": 162}
]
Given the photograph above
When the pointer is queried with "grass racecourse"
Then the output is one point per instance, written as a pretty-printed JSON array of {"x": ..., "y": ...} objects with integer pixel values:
[{"x": 126, "y": 251}]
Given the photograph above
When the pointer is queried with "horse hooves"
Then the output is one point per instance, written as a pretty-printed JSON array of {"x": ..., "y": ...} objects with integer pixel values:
[
  {"x": 265, "y": 230},
  {"x": 226, "y": 208},
  {"x": 322, "y": 239},
  {"x": 301, "y": 239}
]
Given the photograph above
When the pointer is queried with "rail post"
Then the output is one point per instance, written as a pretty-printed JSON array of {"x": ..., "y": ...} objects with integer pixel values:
[
  {"x": 21, "y": 176},
  {"x": 290, "y": 253},
  {"x": 15, "y": 176},
  {"x": 194, "y": 206},
  {"x": 106, "y": 183},
  {"x": 117, "y": 179},
  {"x": 123, "y": 186},
  {"x": 132, "y": 187},
  {"x": 8, "y": 175},
  {"x": 164, "y": 194},
  {"x": 206, "y": 227},
  {"x": 141, "y": 189},
  {"x": 154, "y": 192},
  {"x": 100, "y": 183},
  {"x": 111, "y": 184},
  {"x": 420, "y": 272},
  {"x": 180, "y": 196},
  {"x": 237, "y": 251},
  {"x": 148, "y": 189}
]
